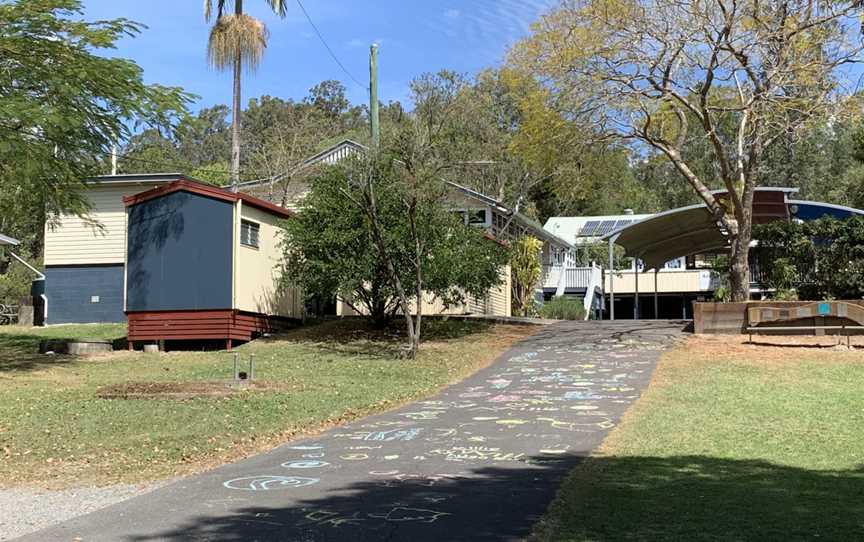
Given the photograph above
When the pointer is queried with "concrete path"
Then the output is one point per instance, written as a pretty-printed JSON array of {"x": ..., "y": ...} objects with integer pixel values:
[{"x": 480, "y": 461}]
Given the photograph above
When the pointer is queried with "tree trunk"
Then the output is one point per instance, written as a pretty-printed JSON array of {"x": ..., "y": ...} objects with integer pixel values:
[
  {"x": 235, "y": 127},
  {"x": 739, "y": 264},
  {"x": 235, "y": 113},
  {"x": 371, "y": 210},
  {"x": 414, "y": 339}
]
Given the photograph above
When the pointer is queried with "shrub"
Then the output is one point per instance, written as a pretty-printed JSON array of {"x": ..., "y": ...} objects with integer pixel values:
[
  {"x": 526, "y": 271},
  {"x": 820, "y": 259},
  {"x": 563, "y": 308}
]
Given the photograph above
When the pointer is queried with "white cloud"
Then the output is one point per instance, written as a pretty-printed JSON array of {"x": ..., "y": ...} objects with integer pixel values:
[
  {"x": 452, "y": 13},
  {"x": 490, "y": 27}
]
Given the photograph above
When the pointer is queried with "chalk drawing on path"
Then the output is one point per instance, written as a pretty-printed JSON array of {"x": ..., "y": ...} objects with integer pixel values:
[
  {"x": 354, "y": 457},
  {"x": 306, "y": 447},
  {"x": 333, "y": 519},
  {"x": 268, "y": 482},
  {"x": 402, "y": 513},
  {"x": 305, "y": 464}
]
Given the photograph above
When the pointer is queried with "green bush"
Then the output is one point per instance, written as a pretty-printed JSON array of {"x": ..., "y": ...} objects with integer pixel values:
[
  {"x": 819, "y": 259},
  {"x": 563, "y": 308}
]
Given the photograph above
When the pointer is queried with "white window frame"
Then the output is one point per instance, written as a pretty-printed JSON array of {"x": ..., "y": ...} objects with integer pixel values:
[{"x": 257, "y": 229}]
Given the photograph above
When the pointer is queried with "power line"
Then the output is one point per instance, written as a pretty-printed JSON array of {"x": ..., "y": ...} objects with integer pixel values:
[
  {"x": 329, "y": 50},
  {"x": 254, "y": 175}
]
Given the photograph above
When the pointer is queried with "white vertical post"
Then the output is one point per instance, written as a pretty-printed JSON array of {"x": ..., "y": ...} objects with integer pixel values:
[
  {"x": 656, "y": 301},
  {"x": 114, "y": 159},
  {"x": 611, "y": 279},
  {"x": 636, "y": 280}
]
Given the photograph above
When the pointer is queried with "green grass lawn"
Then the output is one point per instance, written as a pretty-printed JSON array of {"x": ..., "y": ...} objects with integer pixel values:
[
  {"x": 55, "y": 431},
  {"x": 730, "y": 442}
]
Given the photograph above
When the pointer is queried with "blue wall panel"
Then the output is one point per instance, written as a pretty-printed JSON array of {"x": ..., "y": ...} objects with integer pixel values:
[
  {"x": 71, "y": 289},
  {"x": 179, "y": 254},
  {"x": 813, "y": 211}
]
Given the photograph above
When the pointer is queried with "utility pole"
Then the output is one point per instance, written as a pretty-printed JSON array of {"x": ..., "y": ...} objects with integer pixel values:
[
  {"x": 114, "y": 159},
  {"x": 373, "y": 95}
]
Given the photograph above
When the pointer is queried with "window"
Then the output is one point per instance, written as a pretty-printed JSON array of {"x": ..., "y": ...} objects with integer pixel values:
[
  {"x": 677, "y": 263},
  {"x": 477, "y": 217},
  {"x": 249, "y": 233},
  {"x": 474, "y": 217}
]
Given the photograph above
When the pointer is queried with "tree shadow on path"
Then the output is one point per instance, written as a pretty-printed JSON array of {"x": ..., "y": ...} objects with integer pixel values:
[{"x": 606, "y": 499}]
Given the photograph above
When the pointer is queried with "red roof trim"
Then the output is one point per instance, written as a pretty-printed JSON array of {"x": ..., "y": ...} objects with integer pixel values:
[
  {"x": 194, "y": 187},
  {"x": 265, "y": 205}
]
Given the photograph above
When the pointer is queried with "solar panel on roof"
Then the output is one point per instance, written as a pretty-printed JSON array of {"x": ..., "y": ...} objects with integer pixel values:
[
  {"x": 605, "y": 227},
  {"x": 589, "y": 228},
  {"x": 621, "y": 223}
]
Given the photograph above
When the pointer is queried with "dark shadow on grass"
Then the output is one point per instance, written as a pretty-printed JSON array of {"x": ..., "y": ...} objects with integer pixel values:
[
  {"x": 689, "y": 498},
  {"x": 20, "y": 353}
]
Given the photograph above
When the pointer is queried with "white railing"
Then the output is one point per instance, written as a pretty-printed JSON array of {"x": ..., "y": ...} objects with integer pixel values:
[
  {"x": 573, "y": 277},
  {"x": 550, "y": 276}
]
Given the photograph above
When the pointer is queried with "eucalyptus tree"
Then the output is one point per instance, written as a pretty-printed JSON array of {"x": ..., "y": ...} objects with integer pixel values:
[
  {"x": 661, "y": 73},
  {"x": 237, "y": 40}
]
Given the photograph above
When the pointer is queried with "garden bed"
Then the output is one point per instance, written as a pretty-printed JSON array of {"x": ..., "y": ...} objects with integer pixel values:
[{"x": 189, "y": 390}]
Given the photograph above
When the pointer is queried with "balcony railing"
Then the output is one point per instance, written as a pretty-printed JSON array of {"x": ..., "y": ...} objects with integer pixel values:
[{"x": 577, "y": 278}]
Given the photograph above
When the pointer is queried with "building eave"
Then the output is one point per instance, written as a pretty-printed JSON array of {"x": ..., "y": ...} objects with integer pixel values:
[{"x": 203, "y": 189}]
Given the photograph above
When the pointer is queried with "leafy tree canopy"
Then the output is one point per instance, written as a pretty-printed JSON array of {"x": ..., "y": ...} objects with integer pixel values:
[
  {"x": 62, "y": 105},
  {"x": 820, "y": 259},
  {"x": 331, "y": 249}
]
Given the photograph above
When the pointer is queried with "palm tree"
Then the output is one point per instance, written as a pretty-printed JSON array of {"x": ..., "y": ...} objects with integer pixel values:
[{"x": 237, "y": 39}]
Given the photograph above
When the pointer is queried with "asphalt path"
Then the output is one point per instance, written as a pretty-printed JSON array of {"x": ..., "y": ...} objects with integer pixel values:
[{"x": 480, "y": 461}]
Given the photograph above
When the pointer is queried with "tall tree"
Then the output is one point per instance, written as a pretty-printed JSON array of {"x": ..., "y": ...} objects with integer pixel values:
[
  {"x": 237, "y": 40},
  {"x": 399, "y": 205},
  {"x": 641, "y": 70}
]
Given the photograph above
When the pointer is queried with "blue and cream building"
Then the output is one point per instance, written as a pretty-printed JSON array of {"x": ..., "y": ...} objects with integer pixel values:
[
  {"x": 85, "y": 258},
  {"x": 177, "y": 258}
]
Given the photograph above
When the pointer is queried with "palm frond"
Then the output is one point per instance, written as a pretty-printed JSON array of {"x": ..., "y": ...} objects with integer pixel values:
[
  {"x": 208, "y": 9},
  {"x": 233, "y": 34},
  {"x": 278, "y": 6}
]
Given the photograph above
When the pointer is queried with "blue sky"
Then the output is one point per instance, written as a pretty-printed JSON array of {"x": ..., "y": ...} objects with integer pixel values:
[{"x": 415, "y": 36}]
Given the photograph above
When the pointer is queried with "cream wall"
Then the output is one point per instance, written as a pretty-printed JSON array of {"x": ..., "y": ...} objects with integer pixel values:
[
  {"x": 668, "y": 281},
  {"x": 74, "y": 242},
  {"x": 257, "y": 271},
  {"x": 496, "y": 303}
]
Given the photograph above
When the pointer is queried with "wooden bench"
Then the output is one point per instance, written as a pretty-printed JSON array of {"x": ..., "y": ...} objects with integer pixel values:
[{"x": 823, "y": 309}]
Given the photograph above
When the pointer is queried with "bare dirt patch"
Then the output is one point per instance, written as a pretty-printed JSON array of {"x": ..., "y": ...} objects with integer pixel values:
[
  {"x": 187, "y": 390},
  {"x": 772, "y": 349}
]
